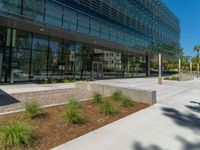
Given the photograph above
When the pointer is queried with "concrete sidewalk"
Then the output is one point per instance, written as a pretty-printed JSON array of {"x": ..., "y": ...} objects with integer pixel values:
[
  {"x": 171, "y": 124},
  {"x": 32, "y": 87}
]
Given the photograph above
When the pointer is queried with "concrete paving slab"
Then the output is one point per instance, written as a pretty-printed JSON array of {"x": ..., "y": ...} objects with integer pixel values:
[
  {"x": 32, "y": 87},
  {"x": 171, "y": 124}
]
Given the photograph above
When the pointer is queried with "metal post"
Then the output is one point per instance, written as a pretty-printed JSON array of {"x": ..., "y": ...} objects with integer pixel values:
[
  {"x": 12, "y": 76},
  {"x": 160, "y": 69},
  {"x": 191, "y": 69},
  {"x": 179, "y": 68},
  {"x": 1, "y": 63}
]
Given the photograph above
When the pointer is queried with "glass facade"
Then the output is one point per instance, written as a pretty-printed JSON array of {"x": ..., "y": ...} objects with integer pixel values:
[
  {"x": 145, "y": 26},
  {"x": 37, "y": 57}
]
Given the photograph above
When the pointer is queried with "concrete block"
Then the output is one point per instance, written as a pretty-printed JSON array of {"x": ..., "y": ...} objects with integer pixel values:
[{"x": 138, "y": 95}]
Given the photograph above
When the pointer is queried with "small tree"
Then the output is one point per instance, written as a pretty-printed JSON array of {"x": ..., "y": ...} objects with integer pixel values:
[{"x": 197, "y": 49}]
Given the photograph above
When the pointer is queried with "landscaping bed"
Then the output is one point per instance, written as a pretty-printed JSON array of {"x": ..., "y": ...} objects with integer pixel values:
[{"x": 52, "y": 130}]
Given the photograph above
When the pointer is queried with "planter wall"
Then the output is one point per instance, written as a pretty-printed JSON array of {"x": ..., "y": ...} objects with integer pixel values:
[{"x": 138, "y": 95}]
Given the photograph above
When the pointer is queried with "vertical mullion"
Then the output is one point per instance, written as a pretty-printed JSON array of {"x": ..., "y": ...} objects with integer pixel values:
[
  {"x": 62, "y": 59},
  {"x": 21, "y": 7},
  {"x": 90, "y": 25},
  {"x": 62, "y": 21},
  {"x": 8, "y": 68},
  {"x": 77, "y": 14},
  {"x": 48, "y": 52},
  {"x": 10, "y": 54},
  {"x": 44, "y": 13},
  {"x": 31, "y": 54}
]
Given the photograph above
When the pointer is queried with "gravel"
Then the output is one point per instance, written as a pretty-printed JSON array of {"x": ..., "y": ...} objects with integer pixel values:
[{"x": 13, "y": 102}]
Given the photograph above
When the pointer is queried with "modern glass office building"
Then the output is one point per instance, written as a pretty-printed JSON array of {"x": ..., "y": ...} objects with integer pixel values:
[{"x": 58, "y": 39}]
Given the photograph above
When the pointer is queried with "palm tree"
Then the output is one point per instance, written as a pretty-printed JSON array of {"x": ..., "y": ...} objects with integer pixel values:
[{"x": 197, "y": 49}]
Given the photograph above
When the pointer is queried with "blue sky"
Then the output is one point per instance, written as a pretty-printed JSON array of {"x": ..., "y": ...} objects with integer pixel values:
[{"x": 188, "y": 12}]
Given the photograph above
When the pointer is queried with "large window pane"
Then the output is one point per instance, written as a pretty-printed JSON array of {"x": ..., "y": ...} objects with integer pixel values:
[
  {"x": 20, "y": 62},
  {"x": 53, "y": 14},
  {"x": 55, "y": 66},
  {"x": 136, "y": 65},
  {"x": 34, "y": 9},
  {"x": 121, "y": 36},
  {"x": 40, "y": 43},
  {"x": 83, "y": 23},
  {"x": 39, "y": 65},
  {"x": 55, "y": 46},
  {"x": 21, "y": 39},
  {"x": 66, "y": 49},
  {"x": 105, "y": 31},
  {"x": 69, "y": 50},
  {"x": 12, "y": 6},
  {"x": 78, "y": 48},
  {"x": 87, "y": 60},
  {"x": 70, "y": 19},
  {"x": 68, "y": 62},
  {"x": 95, "y": 28},
  {"x": 3, "y": 36},
  {"x": 78, "y": 66},
  {"x": 113, "y": 33}
]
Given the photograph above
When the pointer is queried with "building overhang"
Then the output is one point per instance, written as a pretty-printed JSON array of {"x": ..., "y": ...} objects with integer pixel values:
[{"x": 22, "y": 23}]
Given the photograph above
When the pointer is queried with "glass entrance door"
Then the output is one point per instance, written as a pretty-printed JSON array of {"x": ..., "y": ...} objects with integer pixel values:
[{"x": 97, "y": 70}]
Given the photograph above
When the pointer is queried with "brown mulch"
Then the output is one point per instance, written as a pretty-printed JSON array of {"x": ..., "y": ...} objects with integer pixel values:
[{"x": 54, "y": 131}]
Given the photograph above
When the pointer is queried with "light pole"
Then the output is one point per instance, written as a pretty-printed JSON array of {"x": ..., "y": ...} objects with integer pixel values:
[
  {"x": 160, "y": 69},
  {"x": 191, "y": 69},
  {"x": 179, "y": 63},
  {"x": 179, "y": 68}
]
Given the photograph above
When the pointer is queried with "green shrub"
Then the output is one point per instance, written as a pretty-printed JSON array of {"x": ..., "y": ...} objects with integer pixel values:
[
  {"x": 16, "y": 134},
  {"x": 73, "y": 113},
  {"x": 54, "y": 81},
  {"x": 127, "y": 102},
  {"x": 45, "y": 81},
  {"x": 74, "y": 103},
  {"x": 66, "y": 81},
  {"x": 173, "y": 78},
  {"x": 97, "y": 98},
  {"x": 33, "y": 110},
  {"x": 108, "y": 108},
  {"x": 117, "y": 95}
]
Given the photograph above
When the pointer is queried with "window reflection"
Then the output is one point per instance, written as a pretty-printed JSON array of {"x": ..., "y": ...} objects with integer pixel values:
[
  {"x": 58, "y": 59},
  {"x": 12, "y": 6},
  {"x": 70, "y": 19},
  {"x": 53, "y": 14},
  {"x": 20, "y": 63},
  {"x": 40, "y": 43},
  {"x": 34, "y": 9},
  {"x": 21, "y": 39},
  {"x": 39, "y": 65}
]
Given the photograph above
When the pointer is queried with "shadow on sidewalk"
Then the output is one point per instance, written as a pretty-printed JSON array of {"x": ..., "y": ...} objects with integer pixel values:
[
  {"x": 188, "y": 120},
  {"x": 140, "y": 146},
  {"x": 6, "y": 99},
  {"x": 195, "y": 107},
  {"x": 185, "y": 145}
]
